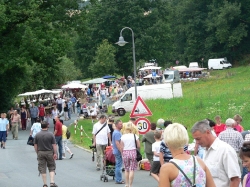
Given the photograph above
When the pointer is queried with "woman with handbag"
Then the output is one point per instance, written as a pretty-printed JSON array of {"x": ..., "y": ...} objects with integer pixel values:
[
  {"x": 129, "y": 143},
  {"x": 183, "y": 169}
]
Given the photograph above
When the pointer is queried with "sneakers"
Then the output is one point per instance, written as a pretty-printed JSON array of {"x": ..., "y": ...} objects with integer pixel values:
[
  {"x": 3, "y": 147},
  {"x": 71, "y": 156},
  {"x": 63, "y": 157},
  {"x": 98, "y": 169}
]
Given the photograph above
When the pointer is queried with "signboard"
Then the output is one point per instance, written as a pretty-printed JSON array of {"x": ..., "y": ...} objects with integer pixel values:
[
  {"x": 140, "y": 109},
  {"x": 143, "y": 125}
]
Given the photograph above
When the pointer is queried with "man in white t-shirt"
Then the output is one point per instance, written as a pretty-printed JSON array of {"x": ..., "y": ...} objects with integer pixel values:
[{"x": 101, "y": 138}]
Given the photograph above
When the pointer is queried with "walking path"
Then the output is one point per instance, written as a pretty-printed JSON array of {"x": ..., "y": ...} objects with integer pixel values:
[{"x": 18, "y": 167}]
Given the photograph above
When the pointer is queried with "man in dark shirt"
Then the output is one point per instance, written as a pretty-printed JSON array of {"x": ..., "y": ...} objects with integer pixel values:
[
  {"x": 45, "y": 147},
  {"x": 58, "y": 135}
]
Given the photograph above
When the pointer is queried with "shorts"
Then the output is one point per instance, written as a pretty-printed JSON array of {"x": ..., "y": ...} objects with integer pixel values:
[
  {"x": 45, "y": 159},
  {"x": 129, "y": 160},
  {"x": 156, "y": 166},
  {"x": 3, "y": 136}
]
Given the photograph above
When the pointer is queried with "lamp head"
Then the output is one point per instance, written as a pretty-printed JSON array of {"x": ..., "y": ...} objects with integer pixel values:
[{"x": 121, "y": 41}]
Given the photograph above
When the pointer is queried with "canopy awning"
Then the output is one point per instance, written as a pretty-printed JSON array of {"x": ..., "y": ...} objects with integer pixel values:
[
  {"x": 74, "y": 86},
  {"x": 150, "y": 67},
  {"x": 95, "y": 81},
  {"x": 108, "y": 77}
]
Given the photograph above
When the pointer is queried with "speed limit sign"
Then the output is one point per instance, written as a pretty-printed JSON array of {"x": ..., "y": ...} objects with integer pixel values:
[{"x": 143, "y": 125}]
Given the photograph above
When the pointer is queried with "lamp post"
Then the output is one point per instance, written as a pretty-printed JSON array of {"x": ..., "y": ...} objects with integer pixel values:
[{"x": 122, "y": 42}]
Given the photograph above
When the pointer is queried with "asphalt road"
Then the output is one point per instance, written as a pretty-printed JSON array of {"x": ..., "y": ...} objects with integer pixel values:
[{"x": 18, "y": 167}]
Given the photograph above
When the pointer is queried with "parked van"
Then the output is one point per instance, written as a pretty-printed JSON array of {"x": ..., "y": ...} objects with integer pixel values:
[
  {"x": 164, "y": 91},
  {"x": 219, "y": 63},
  {"x": 171, "y": 76},
  {"x": 193, "y": 65}
]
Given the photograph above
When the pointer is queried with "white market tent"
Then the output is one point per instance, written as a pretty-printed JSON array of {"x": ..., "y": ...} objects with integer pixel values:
[
  {"x": 42, "y": 91},
  {"x": 150, "y": 67},
  {"x": 150, "y": 76},
  {"x": 74, "y": 85},
  {"x": 95, "y": 81}
]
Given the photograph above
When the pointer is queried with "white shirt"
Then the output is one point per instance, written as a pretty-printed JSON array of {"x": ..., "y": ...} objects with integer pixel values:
[
  {"x": 129, "y": 141},
  {"x": 36, "y": 127},
  {"x": 222, "y": 161},
  {"x": 156, "y": 148},
  {"x": 102, "y": 136},
  {"x": 55, "y": 113}
]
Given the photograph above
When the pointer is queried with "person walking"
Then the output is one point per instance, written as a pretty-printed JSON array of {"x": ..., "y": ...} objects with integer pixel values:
[
  {"x": 58, "y": 136},
  {"x": 64, "y": 142},
  {"x": 42, "y": 112},
  {"x": 35, "y": 128},
  {"x": 183, "y": 169},
  {"x": 220, "y": 157},
  {"x": 55, "y": 112},
  {"x": 24, "y": 117},
  {"x": 149, "y": 139},
  {"x": 15, "y": 120},
  {"x": 101, "y": 138},
  {"x": 69, "y": 108},
  {"x": 66, "y": 110},
  {"x": 4, "y": 126},
  {"x": 78, "y": 106},
  {"x": 45, "y": 147},
  {"x": 129, "y": 142},
  {"x": 73, "y": 100},
  {"x": 117, "y": 150},
  {"x": 156, "y": 165},
  {"x": 34, "y": 113}
]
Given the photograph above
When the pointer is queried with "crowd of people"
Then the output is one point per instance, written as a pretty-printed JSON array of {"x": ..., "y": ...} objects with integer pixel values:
[{"x": 220, "y": 158}]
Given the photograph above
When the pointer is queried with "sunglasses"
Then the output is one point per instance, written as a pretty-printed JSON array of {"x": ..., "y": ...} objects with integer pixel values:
[{"x": 245, "y": 149}]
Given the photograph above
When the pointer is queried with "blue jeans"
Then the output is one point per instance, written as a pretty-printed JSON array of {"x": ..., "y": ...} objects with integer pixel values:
[
  {"x": 118, "y": 167},
  {"x": 59, "y": 143}
]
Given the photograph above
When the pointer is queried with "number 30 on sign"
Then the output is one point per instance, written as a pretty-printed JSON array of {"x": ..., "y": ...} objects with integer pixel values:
[{"x": 143, "y": 125}]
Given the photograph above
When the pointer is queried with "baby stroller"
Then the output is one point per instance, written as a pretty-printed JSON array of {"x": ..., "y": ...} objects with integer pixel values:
[{"x": 108, "y": 165}]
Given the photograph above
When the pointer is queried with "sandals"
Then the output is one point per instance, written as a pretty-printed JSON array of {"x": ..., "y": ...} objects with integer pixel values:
[
  {"x": 122, "y": 182},
  {"x": 53, "y": 185}
]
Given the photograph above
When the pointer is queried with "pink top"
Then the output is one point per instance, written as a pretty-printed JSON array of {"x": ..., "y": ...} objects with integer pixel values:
[
  {"x": 15, "y": 118},
  {"x": 239, "y": 128}
]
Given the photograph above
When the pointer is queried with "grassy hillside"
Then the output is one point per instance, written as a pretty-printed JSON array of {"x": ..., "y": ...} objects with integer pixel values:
[{"x": 225, "y": 93}]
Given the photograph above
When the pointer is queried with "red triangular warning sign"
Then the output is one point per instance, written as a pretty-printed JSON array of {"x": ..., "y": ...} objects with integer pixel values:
[{"x": 140, "y": 109}]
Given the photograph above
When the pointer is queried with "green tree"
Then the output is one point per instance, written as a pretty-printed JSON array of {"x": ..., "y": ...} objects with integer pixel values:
[
  {"x": 33, "y": 36},
  {"x": 104, "y": 61}
]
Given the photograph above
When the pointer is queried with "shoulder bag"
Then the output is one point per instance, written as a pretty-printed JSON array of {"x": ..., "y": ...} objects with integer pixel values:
[
  {"x": 192, "y": 184},
  {"x": 138, "y": 154},
  {"x": 99, "y": 131}
]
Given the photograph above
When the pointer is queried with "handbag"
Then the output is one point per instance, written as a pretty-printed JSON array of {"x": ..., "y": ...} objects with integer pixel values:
[
  {"x": 30, "y": 141},
  {"x": 138, "y": 154},
  {"x": 68, "y": 133},
  {"x": 192, "y": 184}
]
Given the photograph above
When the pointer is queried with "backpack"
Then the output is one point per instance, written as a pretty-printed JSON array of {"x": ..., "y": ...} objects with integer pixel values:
[{"x": 68, "y": 134}]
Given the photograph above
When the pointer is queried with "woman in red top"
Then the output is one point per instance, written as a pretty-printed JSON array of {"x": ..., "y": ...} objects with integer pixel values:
[
  {"x": 238, "y": 119},
  {"x": 219, "y": 127},
  {"x": 41, "y": 112}
]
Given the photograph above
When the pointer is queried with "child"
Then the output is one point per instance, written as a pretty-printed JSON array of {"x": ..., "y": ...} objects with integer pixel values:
[
  {"x": 155, "y": 168},
  {"x": 238, "y": 119}
]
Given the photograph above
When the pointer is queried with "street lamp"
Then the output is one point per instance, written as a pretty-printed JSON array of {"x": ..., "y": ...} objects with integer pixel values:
[{"x": 122, "y": 42}]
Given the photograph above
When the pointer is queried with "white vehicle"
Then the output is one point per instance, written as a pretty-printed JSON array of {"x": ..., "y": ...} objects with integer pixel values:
[
  {"x": 193, "y": 65},
  {"x": 219, "y": 63},
  {"x": 171, "y": 76},
  {"x": 164, "y": 91}
]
